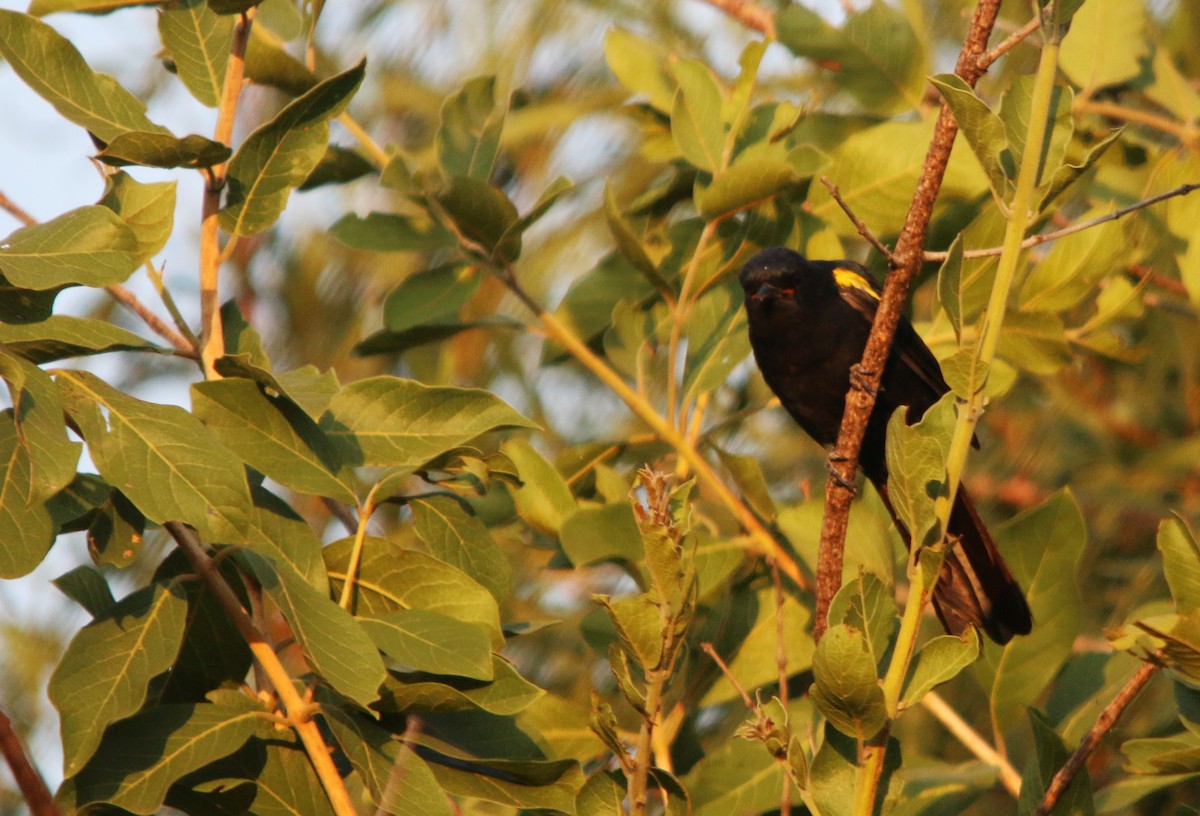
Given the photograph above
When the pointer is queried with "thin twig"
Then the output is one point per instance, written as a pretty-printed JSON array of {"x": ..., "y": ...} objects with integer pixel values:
[
  {"x": 1141, "y": 117},
  {"x": 973, "y": 741},
  {"x": 342, "y": 513},
  {"x": 748, "y": 14},
  {"x": 781, "y": 660},
  {"x": 299, "y": 714},
  {"x": 858, "y": 223},
  {"x": 733, "y": 681},
  {"x": 1035, "y": 240},
  {"x": 159, "y": 326},
  {"x": 907, "y": 260},
  {"x": 15, "y": 211},
  {"x": 985, "y": 60},
  {"x": 1104, "y": 723},
  {"x": 212, "y": 344},
  {"x": 119, "y": 293},
  {"x": 33, "y": 788}
]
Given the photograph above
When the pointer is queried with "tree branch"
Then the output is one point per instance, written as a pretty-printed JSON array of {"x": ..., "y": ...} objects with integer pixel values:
[
  {"x": 1104, "y": 723},
  {"x": 973, "y": 742},
  {"x": 858, "y": 223},
  {"x": 1017, "y": 37},
  {"x": 905, "y": 265},
  {"x": 748, "y": 14},
  {"x": 33, "y": 788},
  {"x": 1035, "y": 240},
  {"x": 299, "y": 713},
  {"x": 212, "y": 344}
]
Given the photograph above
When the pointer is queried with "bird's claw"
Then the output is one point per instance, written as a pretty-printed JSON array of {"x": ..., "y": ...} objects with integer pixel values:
[
  {"x": 860, "y": 378},
  {"x": 831, "y": 466}
]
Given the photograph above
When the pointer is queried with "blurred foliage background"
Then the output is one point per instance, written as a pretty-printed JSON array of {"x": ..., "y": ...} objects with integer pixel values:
[{"x": 1102, "y": 345}]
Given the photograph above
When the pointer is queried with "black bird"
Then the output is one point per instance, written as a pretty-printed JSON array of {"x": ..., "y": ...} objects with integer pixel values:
[{"x": 809, "y": 322}]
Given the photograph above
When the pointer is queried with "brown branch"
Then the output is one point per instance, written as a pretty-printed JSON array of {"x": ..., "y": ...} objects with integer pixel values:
[
  {"x": 33, "y": 787},
  {"x": 986, "y": 59},
  {"x": 905, "y": 264},
  {"x": 1140, "y": 117},
  {"x": 212, "y": 344},
  {"x": 1035, "y": 240},
  {"x": 1104, "y": 723},
  {"x": 159, "y": 326},
  {"x": 748, "y": 14},
  {"x": 859, "y": 225},
  {"x": 298, "y": 711},
  {"x": 10, "y": 206}
]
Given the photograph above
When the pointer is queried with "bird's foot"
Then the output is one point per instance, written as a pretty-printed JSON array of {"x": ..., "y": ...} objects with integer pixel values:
[
  {"x": 831, "y": 466},
  {"x": 860, "y": 379}
]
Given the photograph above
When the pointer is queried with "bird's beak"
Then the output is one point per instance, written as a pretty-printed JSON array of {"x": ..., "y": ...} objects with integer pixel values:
[{"x": 766, "y": 291}]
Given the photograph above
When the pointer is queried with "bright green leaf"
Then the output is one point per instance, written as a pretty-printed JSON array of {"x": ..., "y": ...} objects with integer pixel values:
[{"x": 90, "y": 245}]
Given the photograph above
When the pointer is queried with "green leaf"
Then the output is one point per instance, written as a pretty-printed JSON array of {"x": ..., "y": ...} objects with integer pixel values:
[
  {"x": 151, "y": 149},
  {"x": 876, "y": 169},
  {"x": 469, "y": 136},
  {"x": 116, "y": 533},
  {"x": 747, "y": 474},
  {"x": 139, "y": 758},
  {"x": 949, "y": 285},
  {"x": 696, "y": 122},
  {"x": 60, "y": 336},
  {"x": 865, "y": 603},
  {"x": 147, "y": 209},
  {"x": 507, "y": 694},
  {"x": 712, "y": 359},
  {"x": 939, "y": 660},
  {"x": 1073, "y": 267},
  {"x": 197, "y": 40},
  {"x": 981, "y": 127},
  {"x": 280, "y": 154},
  {"x": 916, "y": 456},
  {"x": 335, "y": 644},
  {"x": 26, "y": 525},
  {"x": 168, "y": 464},
  {"x": 37, "y": 409},
  {"x": 1048, "y": 756},
  {"x": 432, "y": 642},
  {"x": 629, "y": 244},
  {"x": 430, "y": 297},
  {"x": 339, "y": 165},
  {"x": 89, "y": 246},
  {"x": 279, "y": 533},
  {"x": 753, "y": 178},
  {"x": 737, "y": 777},
  {"x": 639, "y": 626},
  {"x": 755, "y": 662},
  {"x": 1015, "y": 108},
  {"x": 554, "y": 789},
  {"x": 274, "y": 436},
  {"x": 268, "y": 63},
  {"x": 846, "y": 689},
  {"x": 390, "y": 232},
  {"x": 1181, "y": 563},
  {"x": 1042, "y": 547},
  {"x": 876, "y": 56},
  {"x": 104, "y": 674},
  {"x": 1034, "y": 341},
  {"x": 1105, "y": 44},
  {"x": 404, "y": 424},
  {"x": 484, "y": 216},
  {"x": 54, "y": 69},
  {"x": 544, "y": 499},
  {"x": 378, "y": 757},
  {"x": 835, "y": 772},
  {"x": 602, "y": 795},
  {"x": 609, "y": 532},
  {"x": 40, "y": 8},
  {"x": 391, "y": 579},
  {"x": 640, "y": 65},
  {"x": 461, "y": 540},
  {"x": 86, "y": 586}
]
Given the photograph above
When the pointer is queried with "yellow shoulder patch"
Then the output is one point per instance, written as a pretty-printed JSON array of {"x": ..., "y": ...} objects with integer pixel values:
[{"x": 850, "y": 279}]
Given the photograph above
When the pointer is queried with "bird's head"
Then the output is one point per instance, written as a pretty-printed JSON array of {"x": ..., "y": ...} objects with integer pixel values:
[{"x": 772, "y": 273}]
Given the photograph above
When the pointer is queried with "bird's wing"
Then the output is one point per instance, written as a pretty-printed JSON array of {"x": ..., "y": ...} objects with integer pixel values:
[{"x": 859, "y": 291}]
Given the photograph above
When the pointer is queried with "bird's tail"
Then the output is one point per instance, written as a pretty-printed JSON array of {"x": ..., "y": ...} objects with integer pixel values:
[{"x": 975, "y": 587}]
